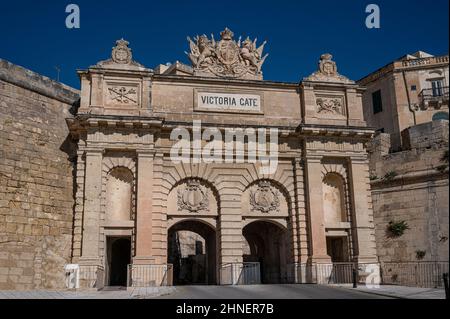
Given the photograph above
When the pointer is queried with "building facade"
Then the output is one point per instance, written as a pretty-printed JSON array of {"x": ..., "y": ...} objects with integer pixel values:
[
  {"x": 210, "y": 174},
  {"x": 407, "y": 102},
  {"x": 409, "y": 91}
]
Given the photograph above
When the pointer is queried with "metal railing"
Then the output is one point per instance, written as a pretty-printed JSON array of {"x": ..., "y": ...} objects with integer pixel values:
[
  {"x": 248, "y": 273},
  {"x": 150, "y": 275},
  {"x": 416, "y": 274},
  {"x": 435, "y": 94},
  {"x": 425, "y": 274},
  {"x": 336, "y": 273}
]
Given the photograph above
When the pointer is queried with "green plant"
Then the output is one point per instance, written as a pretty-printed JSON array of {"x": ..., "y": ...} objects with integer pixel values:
[
  {"x": 390, "y": 175},
  {"x": 441, "y": 168},
  {"x": 373, "y": 177},
  {"x": 420, "y": 254},
  {"x": 397, "y": 229}
]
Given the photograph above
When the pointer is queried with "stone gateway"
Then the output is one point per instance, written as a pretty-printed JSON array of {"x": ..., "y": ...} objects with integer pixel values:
[{"x": 140, "y": 219}]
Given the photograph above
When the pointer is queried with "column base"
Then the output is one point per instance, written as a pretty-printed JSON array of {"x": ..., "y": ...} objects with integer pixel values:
[
  {"x": 301, "y": 273},
  {"x": 92, "y": 273}
]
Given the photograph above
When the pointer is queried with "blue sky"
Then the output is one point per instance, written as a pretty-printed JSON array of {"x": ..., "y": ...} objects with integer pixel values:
[{"x": 34, "y": 33}]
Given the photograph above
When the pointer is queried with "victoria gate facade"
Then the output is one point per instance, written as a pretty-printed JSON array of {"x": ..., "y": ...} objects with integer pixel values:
[{"x": 144, "y": 218}]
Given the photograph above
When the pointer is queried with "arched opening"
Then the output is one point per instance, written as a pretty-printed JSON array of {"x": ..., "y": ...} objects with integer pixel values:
[
  {"x": 267, "y": 244},
  {"x": 119, "y": 257},
  {"x": 192, "y": 252}
]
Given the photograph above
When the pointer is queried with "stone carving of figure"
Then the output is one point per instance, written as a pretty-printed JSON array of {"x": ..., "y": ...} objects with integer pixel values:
[
  {"x": 226, "y": 58},
  {"x": 201, "y": 51},
  {"x": 252, "y": 56}
]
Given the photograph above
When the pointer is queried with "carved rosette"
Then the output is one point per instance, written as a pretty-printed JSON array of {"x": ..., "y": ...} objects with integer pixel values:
[
  {"x": 226, "y": 58},
  {"x": 193, "y": 197},
  {"x": 265, "y": 198}
]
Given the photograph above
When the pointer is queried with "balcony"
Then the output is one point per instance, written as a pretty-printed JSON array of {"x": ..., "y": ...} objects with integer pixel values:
[{"x": 436, "y": 97}]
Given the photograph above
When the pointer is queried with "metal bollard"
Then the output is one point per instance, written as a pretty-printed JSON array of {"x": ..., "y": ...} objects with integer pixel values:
[
  {"x": 445, "y": 277},
  {"x": 355, "y": 278}
]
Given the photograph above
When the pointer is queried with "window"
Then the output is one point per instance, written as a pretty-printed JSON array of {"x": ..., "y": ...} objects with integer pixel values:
[
  {"x": 376, "y": 102},
  {"x": 413, "y": 88},
  {"x": 436, "y": 87}
]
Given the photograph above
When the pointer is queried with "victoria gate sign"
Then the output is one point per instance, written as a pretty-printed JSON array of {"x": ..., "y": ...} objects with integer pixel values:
[{"x": 225, "y": 102}]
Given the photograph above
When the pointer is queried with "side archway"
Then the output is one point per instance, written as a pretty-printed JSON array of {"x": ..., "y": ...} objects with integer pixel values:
[
  {"x": 267, "y": 244},
  {"x": 192, "y": 251}
]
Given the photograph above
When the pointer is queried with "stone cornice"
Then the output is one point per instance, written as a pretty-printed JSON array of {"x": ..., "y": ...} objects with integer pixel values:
[
  {"x": 406, "y": 65},
  {"x": 222, "y": 81},
  {"x": 335, "y": 131},
  {"x": 82, "y": 122}
]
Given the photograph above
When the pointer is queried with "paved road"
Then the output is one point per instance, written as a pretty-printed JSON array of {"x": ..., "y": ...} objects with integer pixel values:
[
  {"x": 267, "y": 292},
  {"x": 201, "y": 292}
]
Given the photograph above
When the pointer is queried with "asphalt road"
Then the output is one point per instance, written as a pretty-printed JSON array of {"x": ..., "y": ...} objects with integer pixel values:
[{"x": 267, "y": 292}]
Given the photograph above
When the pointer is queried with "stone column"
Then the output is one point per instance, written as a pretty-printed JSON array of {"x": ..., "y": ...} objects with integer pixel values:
[
  {"x": 144, "y": 208},
  {"x": 299, "y": 272},
  {"x": 91, "y": 266},
  {"x": 362, "y": 223},
  {"x": 229, "y": 231},
  {"x": 317, "y": 237}
]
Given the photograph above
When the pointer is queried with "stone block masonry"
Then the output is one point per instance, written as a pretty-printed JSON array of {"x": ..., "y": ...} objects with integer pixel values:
[
  {"x": 412, "y": 186},
  {"x": 36, "y": 179}
]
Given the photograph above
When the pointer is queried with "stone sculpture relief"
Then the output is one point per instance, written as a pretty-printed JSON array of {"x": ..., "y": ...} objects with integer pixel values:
[
  {"x": 265, "y": 198},
  {"x": 226, "y": 58},
  {"x": 193, "y": 197},
  {"x": 123, "y": 95},
  {"x": 121, "y": 53},
  {"x": 329, "y": 105},
  {"x": 121, "y": 57},
  {"x": 328, "y": 71}
]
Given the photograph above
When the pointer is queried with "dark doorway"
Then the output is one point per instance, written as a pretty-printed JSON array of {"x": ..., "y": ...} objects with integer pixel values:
[
  {"x": 337, "y": 249},
  {"x": 119, "y": 257},
  {"x": 192, "y": 252},
  {"x": 267, "y": 245}
]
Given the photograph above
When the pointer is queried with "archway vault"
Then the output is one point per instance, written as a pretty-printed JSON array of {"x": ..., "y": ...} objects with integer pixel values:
[
  {"x": 267, "y": 243},
  {"x": 192, "y": 251}
]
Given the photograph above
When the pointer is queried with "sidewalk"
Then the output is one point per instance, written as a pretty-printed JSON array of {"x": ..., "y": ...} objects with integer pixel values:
[
  {"x": 135, "y": 293},
  {"x": 402, "y": 292}
]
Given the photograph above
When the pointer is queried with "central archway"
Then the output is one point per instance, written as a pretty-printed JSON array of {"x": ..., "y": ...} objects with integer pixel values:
[
  {"x": 192, "y": 252},
  {"x": 267, "y": 244}
]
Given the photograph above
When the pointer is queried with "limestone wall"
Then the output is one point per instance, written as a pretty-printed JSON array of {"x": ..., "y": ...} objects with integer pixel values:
[
  {"x": 412, "y": 186},
  {"x": 36, "y": 182}
]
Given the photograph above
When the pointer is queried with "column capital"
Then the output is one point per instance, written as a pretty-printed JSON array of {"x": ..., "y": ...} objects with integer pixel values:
[
  {"x": 94, "y": 151},
  {"x": 313, "y": 158},
  {"x": 145, "y": 152}
]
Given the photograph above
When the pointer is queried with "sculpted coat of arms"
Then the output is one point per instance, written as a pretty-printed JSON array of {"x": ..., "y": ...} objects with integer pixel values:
[
  {"x": 193, "y": 197},
  {"x": 265, "y": 198},
  {"x": 327, "y": 71},
  {"x": 226, "y": 58},
  {"x": 121, "y": 53}
]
